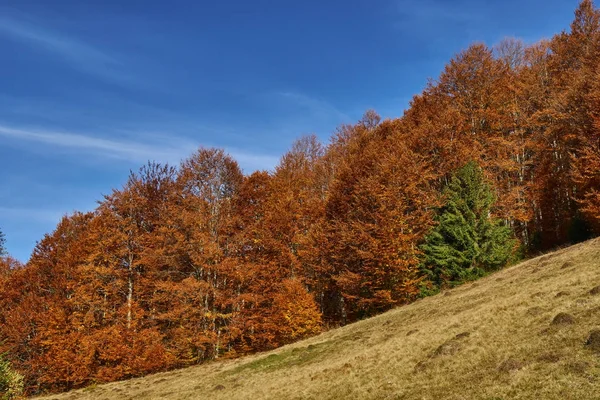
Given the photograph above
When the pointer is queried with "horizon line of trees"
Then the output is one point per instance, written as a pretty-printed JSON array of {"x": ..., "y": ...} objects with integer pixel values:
[{"x": 497, "y": 159}]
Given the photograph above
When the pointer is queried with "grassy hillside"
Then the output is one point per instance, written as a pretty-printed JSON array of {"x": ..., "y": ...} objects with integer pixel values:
[{"x": 522, "y": 333}]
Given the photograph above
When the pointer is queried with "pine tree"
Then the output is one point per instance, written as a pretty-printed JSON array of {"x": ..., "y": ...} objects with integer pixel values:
[{"x": 467, "y": 242}]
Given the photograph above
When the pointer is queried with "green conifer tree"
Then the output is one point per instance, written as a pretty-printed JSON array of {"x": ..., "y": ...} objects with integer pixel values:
[{"x": 467, "y": 242}]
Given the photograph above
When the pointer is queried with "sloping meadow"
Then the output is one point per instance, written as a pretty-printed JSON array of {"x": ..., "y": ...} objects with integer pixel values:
[{"x": 527, "y": 332}]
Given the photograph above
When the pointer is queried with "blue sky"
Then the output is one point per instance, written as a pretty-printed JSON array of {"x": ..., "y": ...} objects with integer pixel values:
[{"x": 91, "y": 89}]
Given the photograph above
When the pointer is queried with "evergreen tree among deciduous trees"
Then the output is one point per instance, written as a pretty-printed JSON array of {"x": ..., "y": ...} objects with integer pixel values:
[
  {"x": 468, "y": 241},
  {"x": 191, "y": 263}
]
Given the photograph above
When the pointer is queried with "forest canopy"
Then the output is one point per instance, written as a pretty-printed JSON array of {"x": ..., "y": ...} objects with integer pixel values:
[{"x": 498, "y": 157}]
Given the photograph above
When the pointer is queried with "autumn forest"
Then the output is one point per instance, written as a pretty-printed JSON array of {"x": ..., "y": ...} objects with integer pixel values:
[{"x": 496, "y": 160}]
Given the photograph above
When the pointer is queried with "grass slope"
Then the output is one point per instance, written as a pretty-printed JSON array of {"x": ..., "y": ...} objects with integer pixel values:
[{"x": 522, "y": 333}]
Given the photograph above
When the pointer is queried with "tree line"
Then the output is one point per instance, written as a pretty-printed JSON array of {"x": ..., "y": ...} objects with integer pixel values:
[{"x": 497, "y": 159}]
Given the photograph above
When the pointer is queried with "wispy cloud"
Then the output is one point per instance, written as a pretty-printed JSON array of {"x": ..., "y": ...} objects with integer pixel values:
[
  {"x": 315, "y": 106},
  {"x": 77, "y": 53},
  {"x": 156, "y": 147},
  {"x": 252, "y": 162},
  {"x": 120, "y": 149},
  {"x": 69, "y": 48}
]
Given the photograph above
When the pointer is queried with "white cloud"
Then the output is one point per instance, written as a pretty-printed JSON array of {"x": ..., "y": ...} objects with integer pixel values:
[
  {"x": 77, "y": 53},
  {"x": 127, "y": 150},
  {"x": 161, "y": 148},
  {"x": 252, "y": 162},
  {"x": 69, "y": 48},
  {"x": 315, "y": 106}
]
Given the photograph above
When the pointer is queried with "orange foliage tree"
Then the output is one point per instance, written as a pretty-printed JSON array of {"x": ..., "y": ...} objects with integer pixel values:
[{"x": 190, "y": 263}]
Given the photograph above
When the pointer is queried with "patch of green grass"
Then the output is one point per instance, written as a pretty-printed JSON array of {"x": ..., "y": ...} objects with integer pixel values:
[
  {"x": 90, "y": 388},
  {"x": 285, "y": 359}
]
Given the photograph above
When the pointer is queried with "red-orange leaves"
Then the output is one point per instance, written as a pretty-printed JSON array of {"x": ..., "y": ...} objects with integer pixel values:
[
  {"x": 188, "y": 264},
  {"x": 377, "y": 210}
]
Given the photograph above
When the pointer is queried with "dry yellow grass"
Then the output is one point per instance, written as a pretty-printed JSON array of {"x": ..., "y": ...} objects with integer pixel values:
[{"x": 497, "y": 338}]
